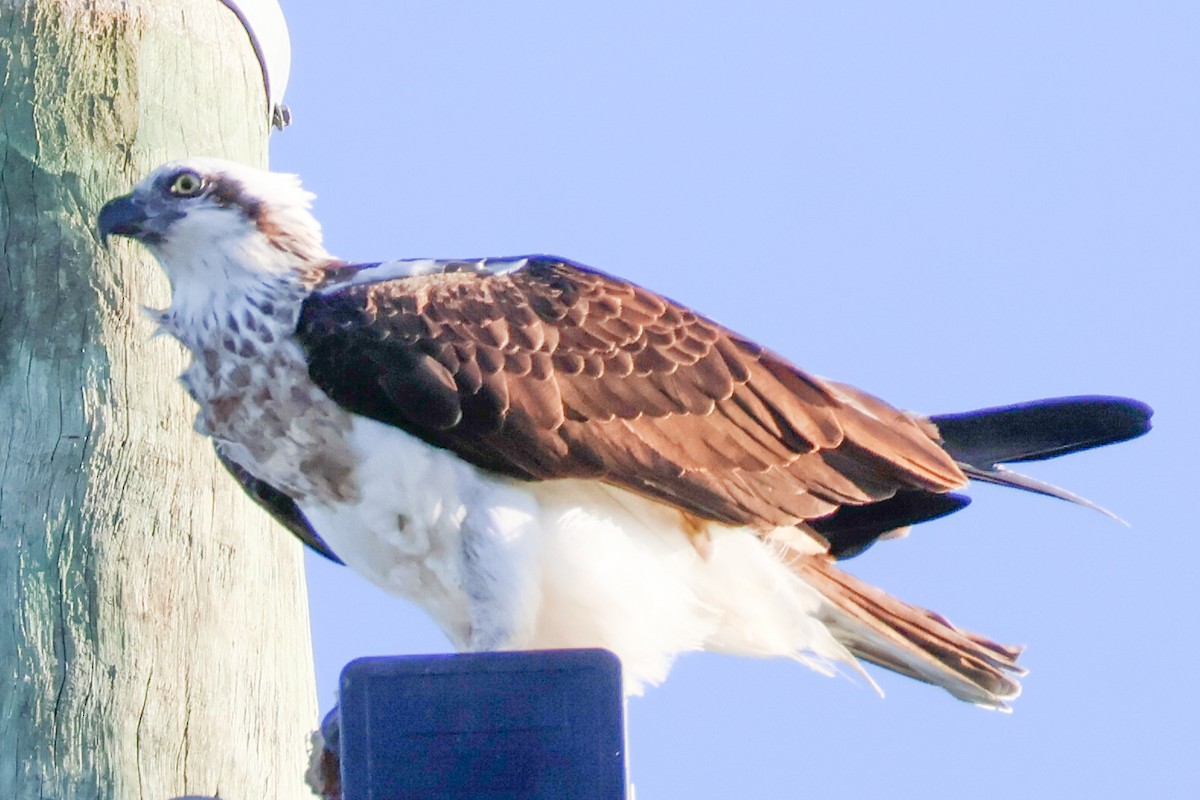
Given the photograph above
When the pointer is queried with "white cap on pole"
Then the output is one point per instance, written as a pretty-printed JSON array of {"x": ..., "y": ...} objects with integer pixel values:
[{"x": 265, "y": 24}]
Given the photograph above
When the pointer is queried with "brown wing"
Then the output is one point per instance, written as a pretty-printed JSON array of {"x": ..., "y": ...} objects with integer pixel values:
[{"x": 554, "y": 371}]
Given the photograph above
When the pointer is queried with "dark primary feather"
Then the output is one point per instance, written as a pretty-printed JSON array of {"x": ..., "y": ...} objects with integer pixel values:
[
  {"x": 1040, "y": 429},
  {"x": 852, "y": 529},
  {"x": 554, "y": 371},
  {"x": 983, "y": 441},
  {"x": 279, "y": 506}
]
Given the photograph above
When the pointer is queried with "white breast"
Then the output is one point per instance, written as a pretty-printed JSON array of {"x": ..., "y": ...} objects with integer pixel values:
[{"x": 504, "y": 564}]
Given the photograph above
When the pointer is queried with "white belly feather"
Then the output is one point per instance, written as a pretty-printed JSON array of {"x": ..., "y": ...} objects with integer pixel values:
[{"x": 504, "y": 564}]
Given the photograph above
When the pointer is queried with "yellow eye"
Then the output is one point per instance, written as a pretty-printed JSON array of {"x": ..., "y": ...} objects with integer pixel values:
[{"x": 187, "y": 184}]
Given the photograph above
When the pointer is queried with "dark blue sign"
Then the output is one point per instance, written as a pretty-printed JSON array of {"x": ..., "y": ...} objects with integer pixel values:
[{"x": 484, "y": 726}]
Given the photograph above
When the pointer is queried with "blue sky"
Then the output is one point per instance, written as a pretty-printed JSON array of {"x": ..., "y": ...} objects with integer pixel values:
[{"x": 951, "y": 205}]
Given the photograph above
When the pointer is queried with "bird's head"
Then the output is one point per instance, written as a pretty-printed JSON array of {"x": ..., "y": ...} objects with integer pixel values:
[{"x": 212, "y": 221}]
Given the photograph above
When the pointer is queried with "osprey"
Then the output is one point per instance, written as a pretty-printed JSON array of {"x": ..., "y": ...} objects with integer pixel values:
[{"x": 541, "y": 455}]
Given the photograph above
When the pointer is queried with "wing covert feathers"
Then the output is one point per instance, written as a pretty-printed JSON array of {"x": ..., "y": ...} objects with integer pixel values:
[
  {"x": 556, "y": 371},
  {"x": 920, "y": 644}
]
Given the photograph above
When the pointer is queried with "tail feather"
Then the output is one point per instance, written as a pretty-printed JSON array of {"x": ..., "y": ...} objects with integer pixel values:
[
  {"x": 876, "y": 627},
  {"x": 920, "y": 644}
]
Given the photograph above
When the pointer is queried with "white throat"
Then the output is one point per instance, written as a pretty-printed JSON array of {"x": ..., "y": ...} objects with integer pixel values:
[{"x": 212, "y": 285}]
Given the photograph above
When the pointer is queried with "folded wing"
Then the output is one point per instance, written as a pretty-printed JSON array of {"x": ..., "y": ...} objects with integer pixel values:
[{"x": 555, "y": 371}]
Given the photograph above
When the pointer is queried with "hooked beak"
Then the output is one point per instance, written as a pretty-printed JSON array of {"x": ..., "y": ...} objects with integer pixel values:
[{"x": 122, "y": 216}]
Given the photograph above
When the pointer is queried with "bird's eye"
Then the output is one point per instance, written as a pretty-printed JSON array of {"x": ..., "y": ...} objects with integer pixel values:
[{"x": 187, "y": 184}]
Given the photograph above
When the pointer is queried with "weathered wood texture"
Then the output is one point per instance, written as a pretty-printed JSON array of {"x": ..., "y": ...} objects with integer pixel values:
[{"x": 153, "y": 628}]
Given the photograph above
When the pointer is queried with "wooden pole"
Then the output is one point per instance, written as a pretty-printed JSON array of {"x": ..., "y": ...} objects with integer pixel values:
[{"x": 153, "y": 627}]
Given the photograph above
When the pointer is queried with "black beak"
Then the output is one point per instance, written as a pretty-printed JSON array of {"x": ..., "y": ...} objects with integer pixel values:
[{"x": 122, "y": 216}]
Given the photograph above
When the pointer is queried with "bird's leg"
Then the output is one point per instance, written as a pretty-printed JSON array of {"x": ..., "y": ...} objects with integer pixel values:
[
  {"x": 499, "y": 569},
  {"x": 324, "y": 769}
]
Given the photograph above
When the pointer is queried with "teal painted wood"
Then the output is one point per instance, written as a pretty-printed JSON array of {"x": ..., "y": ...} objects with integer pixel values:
[{"x": 153, "y": 625}]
